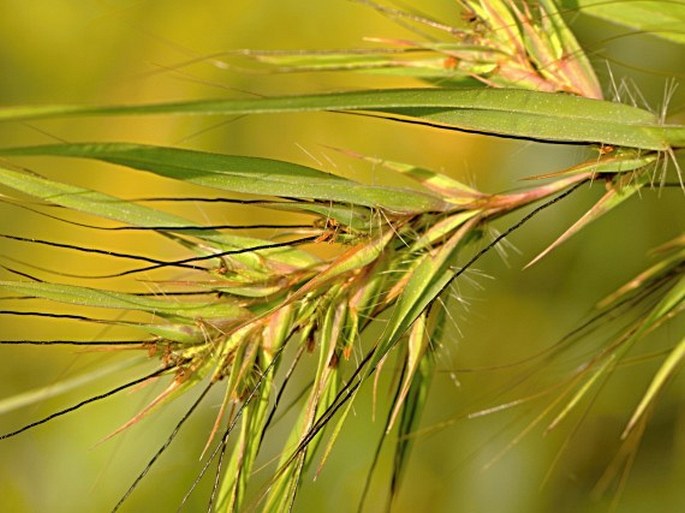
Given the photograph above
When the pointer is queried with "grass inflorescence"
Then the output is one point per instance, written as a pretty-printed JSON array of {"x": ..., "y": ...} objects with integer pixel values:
[{"x": 358, "y": 285}]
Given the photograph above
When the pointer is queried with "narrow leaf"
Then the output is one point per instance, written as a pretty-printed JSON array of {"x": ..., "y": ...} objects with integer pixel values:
[
  {"x": 418, "y": 342},
  {"x": 438, "y": 183},
  {"x": 111, "y": 207},
  {"x": 242, "y": 174},
  {"x": 660, "y": 378},
  {"x": 411, "y": 413},
  {"x": 119, "y": 300},
  {"x": 89, "y": 201},
  {"x": 656, "y": 17},
  {"x": 504, "y": 112},
  {"x": 614, "y": 197}
]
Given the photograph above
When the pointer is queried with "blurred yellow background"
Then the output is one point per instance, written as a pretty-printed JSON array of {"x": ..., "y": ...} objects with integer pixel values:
[{"x": 88, "y": 51}]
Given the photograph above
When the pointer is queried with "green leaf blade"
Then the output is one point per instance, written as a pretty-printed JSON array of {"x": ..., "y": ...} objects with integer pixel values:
[
  {"x": 85, "y": 296},
  {"x": 504, "y": 112},
  {"x": 665, "y": 20},
  {"x": 242, "y": 174}
]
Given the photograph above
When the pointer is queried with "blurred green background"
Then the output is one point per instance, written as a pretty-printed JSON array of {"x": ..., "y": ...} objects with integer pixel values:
[{"x": 88, "y": 51}]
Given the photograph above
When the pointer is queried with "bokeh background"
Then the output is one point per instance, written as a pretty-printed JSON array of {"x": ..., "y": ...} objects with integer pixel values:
[{"x": 98, "y": 51}]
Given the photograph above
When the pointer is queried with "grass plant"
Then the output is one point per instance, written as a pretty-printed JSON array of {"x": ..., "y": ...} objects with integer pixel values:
[{"x": 353, "y": 283}]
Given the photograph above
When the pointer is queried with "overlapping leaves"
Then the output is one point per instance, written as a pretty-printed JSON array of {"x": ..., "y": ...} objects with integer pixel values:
[{"x": 399, "y": 248}]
